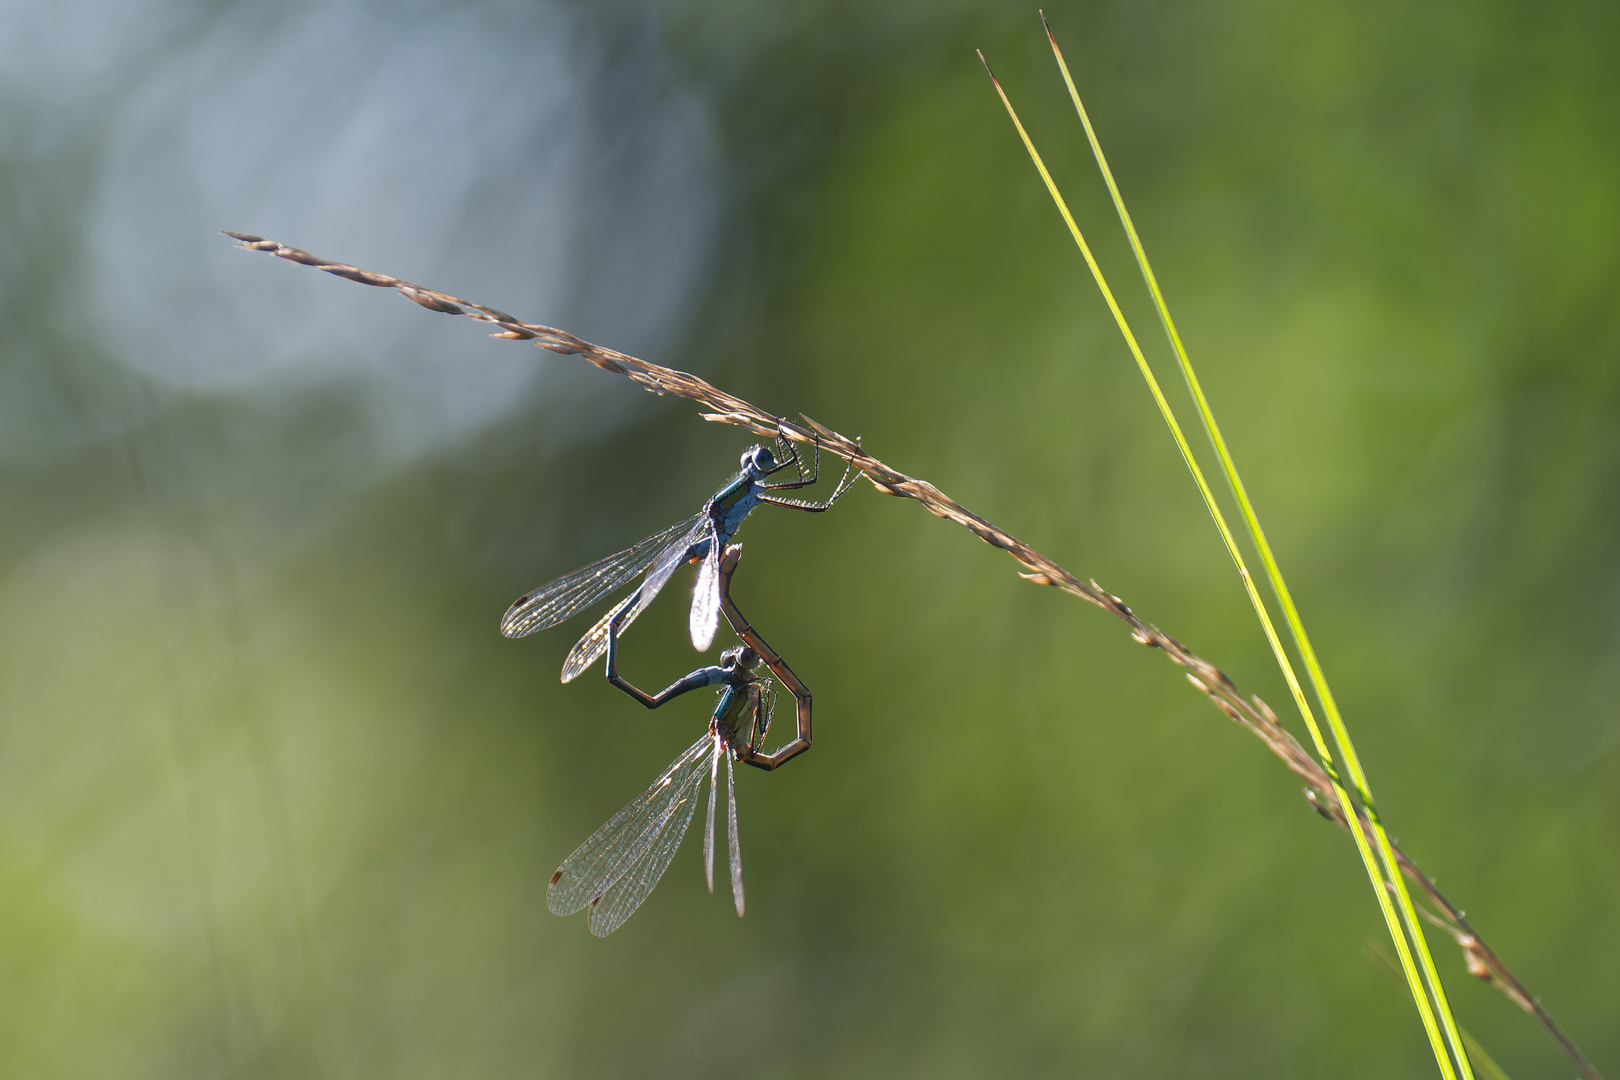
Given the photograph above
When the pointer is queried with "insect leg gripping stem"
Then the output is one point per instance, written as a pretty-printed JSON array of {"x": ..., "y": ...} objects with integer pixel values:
[{"x": 844, "y": 482}]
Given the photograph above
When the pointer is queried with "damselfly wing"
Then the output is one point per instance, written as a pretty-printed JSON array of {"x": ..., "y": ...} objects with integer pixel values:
[{"x": 616, "y": 869}]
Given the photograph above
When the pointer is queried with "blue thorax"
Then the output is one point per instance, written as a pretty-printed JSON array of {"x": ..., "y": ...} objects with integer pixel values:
[{"x": 734, "y": 502}]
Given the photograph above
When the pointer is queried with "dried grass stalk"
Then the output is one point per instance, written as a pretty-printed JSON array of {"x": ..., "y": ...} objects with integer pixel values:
[{"x": 1253, "y": 713}]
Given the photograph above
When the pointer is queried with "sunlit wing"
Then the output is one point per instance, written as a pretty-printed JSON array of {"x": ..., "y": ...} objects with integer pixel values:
[
  {"x": 731, "y": 837},
  {"x": 550, "y": 604},
  {"x": 589, "y": 648},
  {"x": 705, "y": 617},
  {"x": 708, "y": 829},
  {"x": 670, "y": 560},
  {"x": 647, "y": 862},
  {"x": 629, "y": 839}
]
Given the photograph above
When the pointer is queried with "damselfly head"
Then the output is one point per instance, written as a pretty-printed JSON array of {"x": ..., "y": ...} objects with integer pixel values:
[
  {"x": 739, "y": 658},
  {"x": 758, "y": 460}
]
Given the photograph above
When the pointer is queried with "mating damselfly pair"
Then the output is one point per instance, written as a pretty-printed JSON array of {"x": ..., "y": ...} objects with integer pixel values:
[{"x": 614, "y": 870}]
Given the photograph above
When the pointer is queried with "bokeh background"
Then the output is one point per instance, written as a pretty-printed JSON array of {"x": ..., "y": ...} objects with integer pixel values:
[{"x": 276, "y": 800}]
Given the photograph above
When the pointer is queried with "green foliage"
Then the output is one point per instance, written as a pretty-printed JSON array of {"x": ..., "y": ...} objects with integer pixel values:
[{"x": 276, "y": 799}]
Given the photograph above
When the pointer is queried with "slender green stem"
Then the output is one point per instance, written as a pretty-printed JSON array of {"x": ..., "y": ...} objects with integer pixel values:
[
  {"x": 1296, "y": 625},
  {"x": 1379, "y": 877},
  {"x": 1477, "y": 1054}
]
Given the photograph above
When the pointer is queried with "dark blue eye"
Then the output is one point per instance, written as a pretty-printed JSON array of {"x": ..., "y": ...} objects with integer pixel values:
[{"x": 758, "y": 459}]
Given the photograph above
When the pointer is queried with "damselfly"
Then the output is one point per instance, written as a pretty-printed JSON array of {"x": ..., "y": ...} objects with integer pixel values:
[
  {"x": 617, "y": 867},
  {"x": 699, "y": 538}
]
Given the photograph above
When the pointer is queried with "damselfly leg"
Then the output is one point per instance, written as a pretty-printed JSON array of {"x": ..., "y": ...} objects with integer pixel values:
[{"x": 792, "y": 457}]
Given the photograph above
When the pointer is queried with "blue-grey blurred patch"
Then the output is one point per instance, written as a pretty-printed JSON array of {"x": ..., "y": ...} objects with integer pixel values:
[{"x": 494, "y": 150}]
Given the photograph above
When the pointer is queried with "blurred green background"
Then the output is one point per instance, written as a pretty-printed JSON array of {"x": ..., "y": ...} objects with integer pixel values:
[{"x": 276, "y": 800}]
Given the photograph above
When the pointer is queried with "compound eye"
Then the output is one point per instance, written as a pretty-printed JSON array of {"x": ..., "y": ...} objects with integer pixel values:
[{"x": 764, "y": 460}]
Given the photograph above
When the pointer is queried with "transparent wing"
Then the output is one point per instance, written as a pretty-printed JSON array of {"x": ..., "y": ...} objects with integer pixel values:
[
  {"x": 708, "y": 830},
  {"x": 550, "y": 604},
  {"x": 588, "y": 649},
  {"x": 671, "y": 558},
  {"x": 647, "y": 862},
  {"x": 625, "y": 840},
  {"x": 705, "y": 617},
  {"x": 731, "y": 837}
]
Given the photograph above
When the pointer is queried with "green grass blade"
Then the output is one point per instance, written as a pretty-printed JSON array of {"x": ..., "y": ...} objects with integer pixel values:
[
  {"x": 1368, "y": 859},
  {"x": 1487, "y": 1064},
  {"x": 1488, "y": 1067},
  {"x": 1296, "y": 625}
]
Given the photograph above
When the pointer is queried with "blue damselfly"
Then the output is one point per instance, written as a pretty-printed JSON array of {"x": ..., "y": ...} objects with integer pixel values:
[{"x": 700, "y": 538}]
